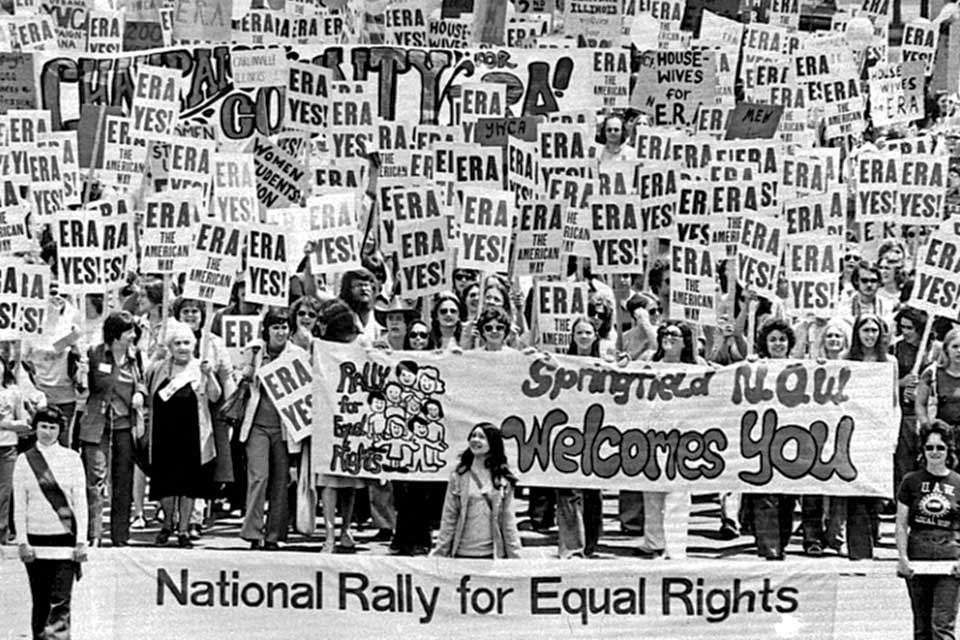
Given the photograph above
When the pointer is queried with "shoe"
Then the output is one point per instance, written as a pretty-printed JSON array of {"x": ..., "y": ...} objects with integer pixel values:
[
  {"x": 162, "y": 538},
  {"x": 421, "y": 551},
  {"x": 138, "y": 523},
  {"x": 255, "y": 544},
  {"x": 814, "y": 550},
  {"x": 728, "y": 532},
  {"x": 196, "y": 532},
  {"x": 184, "y": 542},
  {"x": 116, "y": 545},
  {"x": 328, "y": 547},
  {"x": 384, "y": 535},
  {"x": 271, "y": 546},
  {"x": 774, "y": 557}
]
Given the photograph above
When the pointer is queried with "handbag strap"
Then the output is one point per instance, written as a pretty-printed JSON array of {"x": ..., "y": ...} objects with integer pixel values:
[
  {"x": 486, "y": 496},
  {"x": 51, "y": 489}
]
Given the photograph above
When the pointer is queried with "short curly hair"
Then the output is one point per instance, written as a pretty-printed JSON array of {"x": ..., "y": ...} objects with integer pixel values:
[{"x": 769, "y": 327}]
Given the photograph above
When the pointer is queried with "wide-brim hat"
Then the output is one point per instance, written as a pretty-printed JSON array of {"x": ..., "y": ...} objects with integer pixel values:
[{"x": 397, "y": 305}]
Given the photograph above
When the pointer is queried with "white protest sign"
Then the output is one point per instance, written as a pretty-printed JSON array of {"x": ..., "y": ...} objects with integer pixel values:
[
  {"x": 259, "y": 68},
  {"x": 308, "y": 96},
  {"x": 936, "y": 289},
  {"x": 94, "y": 252},
  {"x": 877, "y": 183},
  {"x": 539, "y": 238},
  {"x": 758, "y": 254},
  {"x": 234, "y": 188},
  {"x": 105, "y": 31},
  {"x": 215, "y": 261},
  {"x": 920, "y": 38},
  {"x": 557, "y": 305},
  {"x": 693, "y": 287},
  {"x": 267, "y": 274},
  {"x": 124, "y": 156},
  {"x": 237, "y": 332},
  {"x": 288, "y": 381},
  {"x": 486, "y": 222},
  {"x": 168, "y": 231},
  {"x": 156, "y": 102},
  {"x": 923, "y": 189},
  {"x": 334, "y": 237},
  {"x": 422, "y": 244}
]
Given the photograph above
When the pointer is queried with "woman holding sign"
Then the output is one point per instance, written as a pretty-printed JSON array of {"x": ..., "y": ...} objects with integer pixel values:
[
  {"x": 928, "y": 519},
  {"x": 180, "y": 390}
]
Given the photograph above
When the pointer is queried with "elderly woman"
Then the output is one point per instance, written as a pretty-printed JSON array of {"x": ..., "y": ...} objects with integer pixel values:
[
  {"x": 113, "y": 411},
  {"x": 180, "y": 390}
]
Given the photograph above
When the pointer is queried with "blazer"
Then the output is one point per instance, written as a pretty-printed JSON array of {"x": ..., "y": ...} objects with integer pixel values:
[
  {"x": 503, "y": 521},
  {"x": 100, "y": 383},
  {"x": 253, "y": 358}
]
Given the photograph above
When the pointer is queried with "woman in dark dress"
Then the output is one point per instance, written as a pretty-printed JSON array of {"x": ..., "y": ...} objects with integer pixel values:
[{"x": 181, "y": 432}]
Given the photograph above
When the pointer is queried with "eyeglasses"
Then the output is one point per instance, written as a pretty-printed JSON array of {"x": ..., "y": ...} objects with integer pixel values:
[
  {"x": 935, "y": 447},
  {"x": 462, "y": 276},
  {"x": 421, "y": 335},
  {"x": 677, "y": 334},
  {"x": 493, "y": 327},
  {"x": 303, "y": 313},
  {"x": 447, "y": 312},
  {"x": 869, "y": 280}
]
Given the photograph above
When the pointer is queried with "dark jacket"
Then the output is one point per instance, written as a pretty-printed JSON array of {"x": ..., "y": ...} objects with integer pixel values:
[{"x": 101, "y": 385}]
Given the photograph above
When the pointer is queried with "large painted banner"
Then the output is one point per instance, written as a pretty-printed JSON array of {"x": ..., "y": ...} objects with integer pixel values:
[
  {"x": 163, "y": 593},
  {"x": 410, "y": 83},
  {"x": 779, "y": 426}
]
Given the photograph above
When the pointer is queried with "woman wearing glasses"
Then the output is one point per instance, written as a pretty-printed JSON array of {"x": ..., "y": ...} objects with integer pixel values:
[
  {"x": 303, "y": 316},
  {"x": 938, "y": 392},
  {"x": 928, "y": 518},
  {"x": 493, "y": 326}
]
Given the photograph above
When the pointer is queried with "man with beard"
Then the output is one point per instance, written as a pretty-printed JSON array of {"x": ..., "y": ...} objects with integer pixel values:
[{"x": 358, "y": 290}]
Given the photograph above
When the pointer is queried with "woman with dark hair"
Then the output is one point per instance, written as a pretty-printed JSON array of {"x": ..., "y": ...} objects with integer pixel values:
[
  {"x": 938, "y": 392},
  {"x": 771, "y": 514},
  {"x": 268, "y": 463},
  {"x": 470, "y": 301},
  {"x": 419, "y": 337},
  {"x": 358, "y": 289},
  {"x": 335, "y": 323},
  {"x": 112, "y": 418},
  {"x": 446, "y": 326},
  {"x": 909, "y": 324},
  {"x": 150, "y": 317},
  {"x": 928, "y": 519},
  {"x": 13, "y": 425},
  {"x": 493, "y": 326},
  {"x": 478, "y": 518},
  {"x": 180, "y": 391},
  {"x": 51, "y": 521},
  {"x": 868, "y": 343}
]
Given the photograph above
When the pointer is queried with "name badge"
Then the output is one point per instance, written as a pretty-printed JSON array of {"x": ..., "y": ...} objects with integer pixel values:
[
  {"x": 172, "y": 387},
  {"x": 105, "y": 368}
]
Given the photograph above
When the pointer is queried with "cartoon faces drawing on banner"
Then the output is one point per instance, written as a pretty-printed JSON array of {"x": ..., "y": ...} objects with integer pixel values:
[{"x": 405, "y": 419}]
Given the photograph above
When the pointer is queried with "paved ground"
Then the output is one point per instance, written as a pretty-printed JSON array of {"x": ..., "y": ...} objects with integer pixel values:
[{"x": 704, "y": 542}]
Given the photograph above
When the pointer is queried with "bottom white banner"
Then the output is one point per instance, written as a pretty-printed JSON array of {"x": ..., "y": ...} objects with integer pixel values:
[{"x": 229, "y": 594}]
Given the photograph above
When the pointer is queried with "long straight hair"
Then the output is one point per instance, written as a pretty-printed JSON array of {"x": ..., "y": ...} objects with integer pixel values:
[{"x": 496, "y": 460}]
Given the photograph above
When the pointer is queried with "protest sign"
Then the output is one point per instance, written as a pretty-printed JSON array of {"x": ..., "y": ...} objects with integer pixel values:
[
  {"x": 17, "y": 91},
  {"x": 758, "y": 254},
  {"x": 288, "y": 380},
  {"x": 70, "y": 20},
  {"x": 259, "y": 68},
  {"x": 693, "y": 287},
  {"x": 168, "y": 231},
  {"x": 672, "y": 85},
  {"x": 617, "y": 230},
  {"x": 749, "y": 120},
  {"x": 811, "y": 265},
  {"x": 595, "y": 23},
  {"x": 237, "y": 332},
  {"x": 920, "y": 38},
  {"x": 200, "y": 21},
  {"x": 936, "y": 289},
  {"x": 14, "y": 237},
  {"x": 923, "y": 189},
  {"x": 267, "y": 272},
  {"x": 422, "y": 244},
  {"x": 405, "y": 23},
  {"x": 281, "y": 178},
  {"x": 486, "y": 218},
  {"x": 23, "y": 296},
  {"x": 803, "y": 176},
  {"x": 66, "y": 142},
  {"x": 214, "y": 262},
  {"x": 539, "y": 238},
  {"x": 478, "y": 167},
  {"x": 156, "y": 103},
  {"x": 105, "y": 31},
  {"x": 234, "y": 188},
  {"x": 94, "y": 253},
  {"x": 272, "y": 596},
  {"x": 877, "y": 183},
  {"x": 124, "y": 157},
  {"x": 728, "y": 427},
  {"x": 784, "y": 13},
  {"x": 565, "y": 149},
  {"x": 189, "y": 163},
  {"x": 523, "y": 168},
  {"x": 308, "y": 96},
  {"x": 893, "y": 99},
  {"x": 334, "y": 243},
  {"x": 352, "y": 120},
  {"x": 556, "y": 306}
]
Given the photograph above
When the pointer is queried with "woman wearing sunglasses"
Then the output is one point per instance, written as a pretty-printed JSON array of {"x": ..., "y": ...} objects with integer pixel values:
[
  {"x": 303, "y": 320},
  {"x": 493, "y": 326},
  {"x": 928, "y": 518}
]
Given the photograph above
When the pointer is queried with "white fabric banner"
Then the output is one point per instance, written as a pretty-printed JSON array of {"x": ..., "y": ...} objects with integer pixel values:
[{"x": 779, "y": 426}]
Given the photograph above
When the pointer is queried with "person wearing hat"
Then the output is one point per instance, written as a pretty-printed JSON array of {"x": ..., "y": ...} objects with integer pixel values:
[{"x": 395, "y": 318}]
